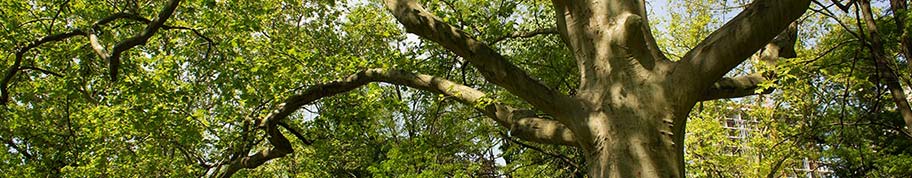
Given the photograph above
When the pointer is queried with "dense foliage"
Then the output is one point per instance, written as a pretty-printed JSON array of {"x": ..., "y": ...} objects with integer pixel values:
[{"x": 190, "y": 98}]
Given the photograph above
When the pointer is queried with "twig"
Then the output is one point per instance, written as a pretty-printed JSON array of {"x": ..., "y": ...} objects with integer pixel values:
[
  {"x": 43, "y": 71},
  {"x": 528, "y": 34}
]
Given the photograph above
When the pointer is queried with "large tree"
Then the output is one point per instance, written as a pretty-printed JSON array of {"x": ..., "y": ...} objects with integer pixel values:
[
  {"x": 627, "y": 113},
  {"x": 631, "y": 106}
]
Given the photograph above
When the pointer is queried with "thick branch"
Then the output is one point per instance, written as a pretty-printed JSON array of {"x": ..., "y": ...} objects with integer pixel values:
[
  {"x": 608, "y": 37},
  {"x": 281, "y": 147},
  {"x": 900, "y": 8},
  {"x": 113, "y": 58},
  {"x": 883, "y": 64},
  {"x": 15, "y": 68},
  {"x": 492, "y": 65},
  {"x": 294, "y": 131},
  {"x": 97, "y": 46},
  {"x": 737, "y": 40},
  {"x": 736, "y": 87},
  {"x": 783, "y": 46},
  {"x": 139, "y": 39},
  {"x": 522, "y": 123}
]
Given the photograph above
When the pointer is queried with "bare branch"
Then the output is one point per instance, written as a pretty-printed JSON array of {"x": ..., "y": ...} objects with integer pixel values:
[
  {"x": 100, "y": 49},
  {"x": 522, "y": 123},
  {"x": 736, "y": 87},
  {"x": 596, "y": 32},
  {"x": 113, "y": 58},
  {"x": 528, "y": 34},
  {"x": 844, "y": 8},
  {"x": 296, "y": 133},
  {"x": 281, "y": 147},
  {"x": 492, "y": 65},
  {"x": 42, "y": 71},
  {"x": 783, "y": 46},
  {"x": 139, "y": 39},
  {"x": 97, "y": 46},
  {"x": 563, "y": 158},
  {"x": 13, "y": 70},
  {"x": 883, "y": 64},
  {"x": 737, "y": 40}
]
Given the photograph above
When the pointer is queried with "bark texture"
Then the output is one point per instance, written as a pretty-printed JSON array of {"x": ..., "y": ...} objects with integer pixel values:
[
  {"x": 884, "y": 64},
  {"x": 629, "y": 112},
  {"x": 631, "y": 108},
  {"x": 900, "y": 8}
]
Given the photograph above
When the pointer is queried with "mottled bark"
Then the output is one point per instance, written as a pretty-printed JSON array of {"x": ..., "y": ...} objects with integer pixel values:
[
  {"x": 630, "y": 110},
  {"x": 491, "y": 64},
  {"x": 783, "y": 46}
]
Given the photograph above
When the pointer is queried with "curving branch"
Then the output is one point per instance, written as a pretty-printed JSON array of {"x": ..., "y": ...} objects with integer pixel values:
[
  {"x": 100, "y": 49},
  {"x": 281, "y": 147},
  {"x": 737, "y": 40},
  {"x": 783, "y": 46},
  {"x": 139, "y": 39},
  {"x": 522, "y": 123},
  {"x": 113, "y": 57},
  {"x": 492, "y": 65},
  {"x": 20, "y": 53}
]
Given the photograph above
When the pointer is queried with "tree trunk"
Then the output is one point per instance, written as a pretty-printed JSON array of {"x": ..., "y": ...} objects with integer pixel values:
[
  {"x": 623, "y": 148},
  {"x": 634, "y": 101},
  {"x": 630, "y": 110},
  {"x": 899, "y": 8},
  {"x": 887, "y": 73},
  {"x": 628, "y": 114}
]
